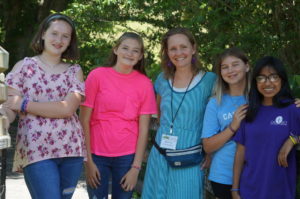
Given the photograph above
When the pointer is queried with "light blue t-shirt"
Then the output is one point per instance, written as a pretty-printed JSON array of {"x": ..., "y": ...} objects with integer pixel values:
[{"x": 217, "y": 117}]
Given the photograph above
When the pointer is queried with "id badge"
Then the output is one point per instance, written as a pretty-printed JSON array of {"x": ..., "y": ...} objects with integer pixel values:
[{"x": 168, "y": 141}]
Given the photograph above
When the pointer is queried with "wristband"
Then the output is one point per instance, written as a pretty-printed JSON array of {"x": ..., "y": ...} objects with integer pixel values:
[
  {"x": 231, "y": 129},
  {"x": 24, "y": 105},
  {"x": 296, "y": 138},
  {"x": 234, "y": 189},
  {"x": 136, "y": 167},
  {"x": 293, "y": 140}
]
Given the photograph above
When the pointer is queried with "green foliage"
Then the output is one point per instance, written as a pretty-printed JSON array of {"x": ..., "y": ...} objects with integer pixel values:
[
  {"x": 269, "y": 27},
  {"x": 295, "y": 85},
  {"x": 259, "y": 27},
  {"x": 1, "y": 33}
]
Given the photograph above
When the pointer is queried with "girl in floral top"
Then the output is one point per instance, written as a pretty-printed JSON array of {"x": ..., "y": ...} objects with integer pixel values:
[{"x": 46, "y": 92}]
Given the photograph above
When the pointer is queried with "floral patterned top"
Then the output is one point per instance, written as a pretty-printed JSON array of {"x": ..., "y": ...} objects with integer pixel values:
[{"x": 41, "y": 138}]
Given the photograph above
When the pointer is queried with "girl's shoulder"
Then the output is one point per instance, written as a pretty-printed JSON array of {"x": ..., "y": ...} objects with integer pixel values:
[
  {"x": 213, "y": 102},
  {"x": 213, "y": 99},
  {"x": 143, "y": 77},
  {"x": 73, "y": 68},
  {"x": 100, "y": 70},
  {"x": 25, "y": 62}
]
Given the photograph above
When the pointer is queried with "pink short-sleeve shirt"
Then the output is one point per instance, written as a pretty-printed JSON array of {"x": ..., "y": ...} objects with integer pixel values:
[{"x": 117, "y": 101}]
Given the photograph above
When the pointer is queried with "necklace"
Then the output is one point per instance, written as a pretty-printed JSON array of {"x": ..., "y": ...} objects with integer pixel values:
[
  {"x": 174, "y": 116},
  {"x": 44, "y": 62}
]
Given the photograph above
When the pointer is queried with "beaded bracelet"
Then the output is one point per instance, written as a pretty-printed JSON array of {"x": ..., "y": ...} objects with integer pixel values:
[
  {"x": 234, "y": 189},
  {"x": 296, "y": 138},
  {"x": 136, "y": 167},
  {"x": 24, "y": 105},
  {"x": 230, "y": 128},
  {"x": 293, "y": 140}
]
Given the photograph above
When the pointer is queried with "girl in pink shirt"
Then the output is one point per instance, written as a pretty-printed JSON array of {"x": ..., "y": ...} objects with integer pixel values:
[{"x": 115, "y": 118}]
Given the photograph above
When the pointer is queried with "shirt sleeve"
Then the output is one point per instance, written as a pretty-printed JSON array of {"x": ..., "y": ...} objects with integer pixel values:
[
  {"x": 295, "y": 121},
  {"x": 148, "y": 105},
  {"x": 211, "y": 125},
  {"x": 157, "y": 84},
  {"x": 240, "y": 134},
  {"x": 91, "y": 89},
  {"x": 15, "y": 79},
  {"x": 77, "y": 86}
]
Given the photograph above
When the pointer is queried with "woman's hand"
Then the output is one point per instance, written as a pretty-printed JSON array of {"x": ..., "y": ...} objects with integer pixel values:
[
  {"x": 129, "y": 181},
  {"x": 284, "y": 152},
  {"x": 92, "y": 174}
]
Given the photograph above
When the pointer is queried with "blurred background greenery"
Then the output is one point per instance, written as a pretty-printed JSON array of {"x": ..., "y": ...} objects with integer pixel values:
[{"x": 268, "y": 27}]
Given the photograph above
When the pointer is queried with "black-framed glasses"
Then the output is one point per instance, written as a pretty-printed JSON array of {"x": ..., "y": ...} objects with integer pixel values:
[{"x": 264, "y": 78}]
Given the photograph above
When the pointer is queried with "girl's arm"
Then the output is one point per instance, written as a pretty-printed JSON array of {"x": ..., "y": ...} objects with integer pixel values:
[
  {"x": 237, "y": 170},
  {"x": 91, "y": 171},
  {"x": 5, "y": 110},
  {"x": 290, "y": 142},
  {"x": 285, "y": 150},
  {"x": 130, "y": 179},
  {"x": 218, "y": 140},
  {"x": 59, "y": 109},
  {"x": 297, "y": 102},
  {"x": 158, "y": 100}
]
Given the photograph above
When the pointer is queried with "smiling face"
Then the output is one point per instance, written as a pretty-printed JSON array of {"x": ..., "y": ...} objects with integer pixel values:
[
  {"x": 270, "y": 86},
  {"x": 180, "y": 50},
  {"x": 233, "y": 70},
  {"x": 57, "y": 37},
  {"x": 128, "y": 53}
]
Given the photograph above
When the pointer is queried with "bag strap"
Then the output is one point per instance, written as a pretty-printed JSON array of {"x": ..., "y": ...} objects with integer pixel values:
[{"x": 160, "y": 150}]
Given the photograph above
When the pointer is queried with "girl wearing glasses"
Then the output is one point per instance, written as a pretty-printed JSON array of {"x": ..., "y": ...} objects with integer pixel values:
[{"x": 272, "y": 120}]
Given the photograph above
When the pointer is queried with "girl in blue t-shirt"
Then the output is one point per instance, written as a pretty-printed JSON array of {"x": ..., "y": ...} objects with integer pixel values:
[
  {"x": 272, "y": 120},
  {"x": 223, "y": 116}
]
